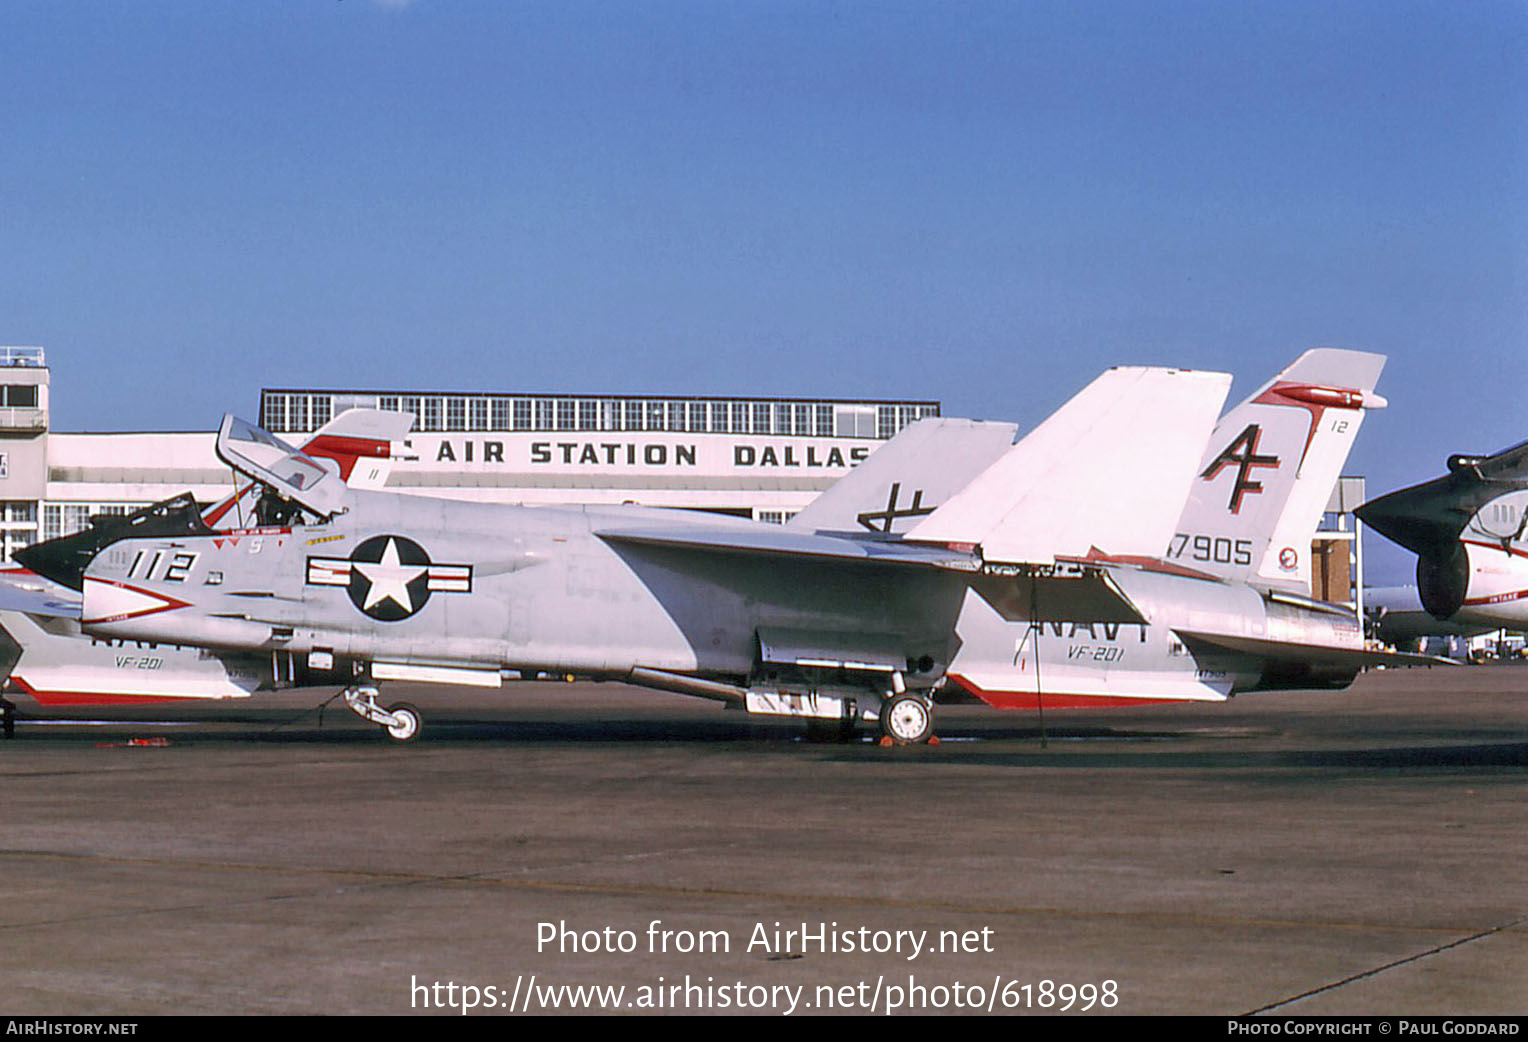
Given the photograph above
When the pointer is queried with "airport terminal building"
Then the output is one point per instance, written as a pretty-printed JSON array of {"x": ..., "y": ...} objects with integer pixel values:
[{"x": 763, "y": 458}]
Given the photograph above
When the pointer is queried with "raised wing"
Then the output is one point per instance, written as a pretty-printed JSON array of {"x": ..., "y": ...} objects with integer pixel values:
[
  {"x": 1025, "y": 509},
  {"x": 1110, "y": 470}
]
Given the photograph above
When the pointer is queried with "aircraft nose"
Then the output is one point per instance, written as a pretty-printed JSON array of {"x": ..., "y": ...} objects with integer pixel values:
[{"x": 1424, "y": 519}]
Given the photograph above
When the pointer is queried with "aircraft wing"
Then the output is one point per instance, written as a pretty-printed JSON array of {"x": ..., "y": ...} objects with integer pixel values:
[
  {"x": 774, "y": 540},
  {"x": 1072, "y": 591}
]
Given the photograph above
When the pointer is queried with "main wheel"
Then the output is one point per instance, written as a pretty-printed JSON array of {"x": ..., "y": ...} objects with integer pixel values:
[
  {"x": 907, "y": 719},
  {"x": 406, "y": 724},
  {"x": 831, "y": 730}
]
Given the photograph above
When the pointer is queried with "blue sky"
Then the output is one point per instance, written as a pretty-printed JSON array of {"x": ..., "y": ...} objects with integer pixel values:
[{"x": 983, "y": 203}]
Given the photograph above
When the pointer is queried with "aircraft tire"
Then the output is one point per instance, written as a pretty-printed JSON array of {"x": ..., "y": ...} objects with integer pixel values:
[
  {"x": 907, "y": 719},
  {"x": 409, "y": 724},
  {"x": 831, "y": 730}
]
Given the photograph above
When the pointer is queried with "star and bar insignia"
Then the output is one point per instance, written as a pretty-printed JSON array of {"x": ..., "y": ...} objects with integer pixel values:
[{"x": 389, "y": 577}]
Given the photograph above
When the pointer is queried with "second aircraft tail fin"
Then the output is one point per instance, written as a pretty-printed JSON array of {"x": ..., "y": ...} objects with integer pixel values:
[
  {"x": 1269, "y": 469},
  {"x": 908, "y": 478}
]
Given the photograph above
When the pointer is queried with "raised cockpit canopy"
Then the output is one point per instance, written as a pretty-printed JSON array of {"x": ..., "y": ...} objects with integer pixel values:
[{"x": 291, "y": 473}]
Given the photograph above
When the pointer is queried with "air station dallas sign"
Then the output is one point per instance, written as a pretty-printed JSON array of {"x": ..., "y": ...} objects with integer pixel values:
[{"x": 615, "y": 452}]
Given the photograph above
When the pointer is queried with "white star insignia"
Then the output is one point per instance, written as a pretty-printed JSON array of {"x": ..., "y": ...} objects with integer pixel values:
[{"x": 390, "y": 579}]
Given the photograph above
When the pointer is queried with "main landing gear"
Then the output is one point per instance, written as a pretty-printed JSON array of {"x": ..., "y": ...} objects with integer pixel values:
[
  {"x": 906, "y": 719},
  {"x": 400, "y": 721}
]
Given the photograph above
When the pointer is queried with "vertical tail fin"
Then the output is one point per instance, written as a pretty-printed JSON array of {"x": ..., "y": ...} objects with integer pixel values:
[
  {"x": 1108, "y": 470},
  {"x": 906, "y": 479},
  {"x": 1270, "y": 467}
]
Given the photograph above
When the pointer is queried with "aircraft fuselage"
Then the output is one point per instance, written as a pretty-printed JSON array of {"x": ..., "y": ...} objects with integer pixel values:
[{"x": 504, "y": 587}]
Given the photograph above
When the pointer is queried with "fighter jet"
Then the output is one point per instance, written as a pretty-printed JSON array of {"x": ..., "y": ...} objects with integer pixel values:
[
  {"x": 360, "y": 587},
  {"x": 1225, "y": 608},
  {"x": 49, "y": 659},
  {"x": 1467, "y": 530}
]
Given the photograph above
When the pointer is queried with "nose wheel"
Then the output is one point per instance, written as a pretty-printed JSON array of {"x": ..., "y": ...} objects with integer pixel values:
[
  {"x": 400, "y": 721},
  {"x": 406, "y": 724},
  {"x": 906, "y": 719}
]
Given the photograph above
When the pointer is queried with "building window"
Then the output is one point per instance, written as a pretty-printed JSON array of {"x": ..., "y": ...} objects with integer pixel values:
[
  {"x": 431, "y": 420},
  {"x": 275, "y": 413},
  {"x": 761, "y": 418},
  {"x": 522, "y": 414},
  {"x": 783, "y": 423},
  {"x": 18, "y": 396},
  {"x": 477, "y": 414},
  {"x": 565, "y": 415}
]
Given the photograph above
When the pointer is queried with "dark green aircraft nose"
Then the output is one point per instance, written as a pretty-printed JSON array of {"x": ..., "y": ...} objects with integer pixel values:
[
  {"x": 1425, "y": 518},
  {"x": 65, "y": 559}
]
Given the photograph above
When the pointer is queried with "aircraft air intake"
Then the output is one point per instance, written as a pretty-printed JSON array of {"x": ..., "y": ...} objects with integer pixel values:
[{"x": 1443, "y": 579}]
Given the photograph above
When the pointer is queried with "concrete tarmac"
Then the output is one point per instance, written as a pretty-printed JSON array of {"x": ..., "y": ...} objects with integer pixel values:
[{"x": 1358, "y": 852}]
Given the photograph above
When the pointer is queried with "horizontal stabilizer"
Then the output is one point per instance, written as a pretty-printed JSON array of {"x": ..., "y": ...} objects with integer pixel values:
[
  {"x": 23, "y": 591},
  {"x": 1278, "y": 651},
  {"x": 1110, "y": 469},
  {"x": 57, "y": 666},
  {"x": 1093, "y": 689}
]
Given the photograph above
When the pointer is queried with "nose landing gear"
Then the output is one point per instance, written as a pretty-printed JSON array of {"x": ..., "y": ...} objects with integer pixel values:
[{"x": 401, "y": 721}]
